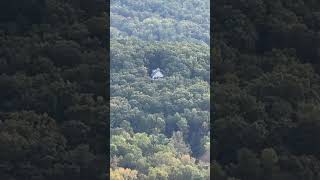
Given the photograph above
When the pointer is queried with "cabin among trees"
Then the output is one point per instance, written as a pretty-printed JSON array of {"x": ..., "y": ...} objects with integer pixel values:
[
  {"x": 158, "y": 129},
  {"x": 156, "y": 74}
]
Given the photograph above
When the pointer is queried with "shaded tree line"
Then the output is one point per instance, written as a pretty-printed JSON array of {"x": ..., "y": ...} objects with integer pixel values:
[
  {"x": 266, "y": 90},
  {"x": 53, "y": 103}
]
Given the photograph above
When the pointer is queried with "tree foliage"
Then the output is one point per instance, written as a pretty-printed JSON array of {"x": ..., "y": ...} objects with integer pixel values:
[
  {"x": 266, "y": 86},
  {"x": 160, "y": 128},
  {"x": 53, "y": 104}
]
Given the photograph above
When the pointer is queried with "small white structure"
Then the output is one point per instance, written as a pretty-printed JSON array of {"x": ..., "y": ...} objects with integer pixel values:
[{"x": 156, "y": 74}]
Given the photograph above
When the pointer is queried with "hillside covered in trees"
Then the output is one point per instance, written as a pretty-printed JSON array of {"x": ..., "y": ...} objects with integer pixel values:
[
  {"x": 266, "y": 90},
  {"x": 53, "y": 103},
  {"x": 160, "y": 129}
]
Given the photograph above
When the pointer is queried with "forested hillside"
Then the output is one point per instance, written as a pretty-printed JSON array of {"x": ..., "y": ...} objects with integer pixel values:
[
  {"x": 160, "y": 128},
  {"x": 53, "y": 103},
  {"x": 266, "y": 90},
  {"x": 161, "y": 20}
]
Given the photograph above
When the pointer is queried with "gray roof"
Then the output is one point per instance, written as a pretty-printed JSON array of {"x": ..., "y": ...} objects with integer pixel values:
[{"x": 156, "y": 74}]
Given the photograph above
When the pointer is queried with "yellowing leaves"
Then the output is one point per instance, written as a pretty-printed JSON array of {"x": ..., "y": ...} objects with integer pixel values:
[{"x": 123, "y": 174}]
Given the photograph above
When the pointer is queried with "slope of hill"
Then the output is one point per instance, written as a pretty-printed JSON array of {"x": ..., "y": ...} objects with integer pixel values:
[
  {"x": 266, "y": 86},
  {"x": 159, "y": 128},
  {"x": 53, "y": 103}
]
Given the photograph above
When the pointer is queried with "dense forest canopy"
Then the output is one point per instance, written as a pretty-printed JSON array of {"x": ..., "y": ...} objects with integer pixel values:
[
  {"x": 266, "y": 90},
  {"x": 160, "y": 128},
  {"x": 161, "y": 20},
  {"x": 53, "y": 103}
]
